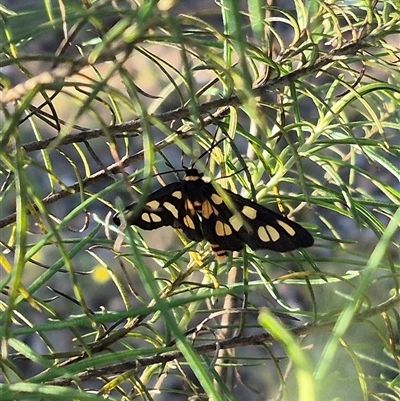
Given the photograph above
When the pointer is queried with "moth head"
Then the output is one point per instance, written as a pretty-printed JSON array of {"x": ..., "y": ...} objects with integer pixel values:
[{"x": 192, "y": 174}]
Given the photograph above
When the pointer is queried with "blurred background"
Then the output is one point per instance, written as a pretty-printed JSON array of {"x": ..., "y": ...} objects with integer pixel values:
[{"x": 324, "y": 144}]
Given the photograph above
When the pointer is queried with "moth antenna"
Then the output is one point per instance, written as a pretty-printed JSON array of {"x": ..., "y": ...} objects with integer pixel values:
[
  {"x": 208, "y": 151},
  {"x": 230, "y": 175},
  {"x": 168, "y": 164}
]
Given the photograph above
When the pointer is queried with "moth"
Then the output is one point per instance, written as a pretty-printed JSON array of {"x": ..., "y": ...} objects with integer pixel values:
[{"x": 194, "y": 206}]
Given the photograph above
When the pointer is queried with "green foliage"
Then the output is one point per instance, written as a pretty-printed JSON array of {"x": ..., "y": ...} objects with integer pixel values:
[{"x": 296, "y": 108}]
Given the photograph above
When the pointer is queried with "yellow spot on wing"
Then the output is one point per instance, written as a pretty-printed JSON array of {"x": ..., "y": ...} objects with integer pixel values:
[
  {"x": 151, "y": 218},
  {"x": 273, "y": 232},
  {"x": 177, "y": 194},
  {"x": 216, "y": 199},
  {"x": 250, "y": 212},
  {"x": 222, "y": 229},
  {"x": 153, "y": 204},
  {"x": 290, "y": 230},
  {"x": 206, "y": 209},
  {"x": 190, "y": 207},
  {"x": 155, "y": 218},
  {"x": 172, "y": 209},
  {"x": 236, "y": 221},
  {"x": 262, "y": 234},
  {"x": 188, "y": 222},
  {"x": 146, "y": 217}
]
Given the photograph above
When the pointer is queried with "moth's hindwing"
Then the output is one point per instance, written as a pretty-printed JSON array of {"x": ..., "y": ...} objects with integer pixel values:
[
  {"x": 262, "y": 228},
  {"x": 250, "y": 223}
]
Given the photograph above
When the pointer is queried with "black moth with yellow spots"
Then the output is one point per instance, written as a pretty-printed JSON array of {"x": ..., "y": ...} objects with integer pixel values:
[{"x": 195, "y": 207}]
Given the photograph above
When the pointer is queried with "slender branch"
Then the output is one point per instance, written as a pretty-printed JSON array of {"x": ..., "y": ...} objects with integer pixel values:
[
  {"x": 226, "y": 344},
  {"x": 75, "y": 188},
  {"x": 184, "y": 113},
  {"x": 201, "y": 350}
]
